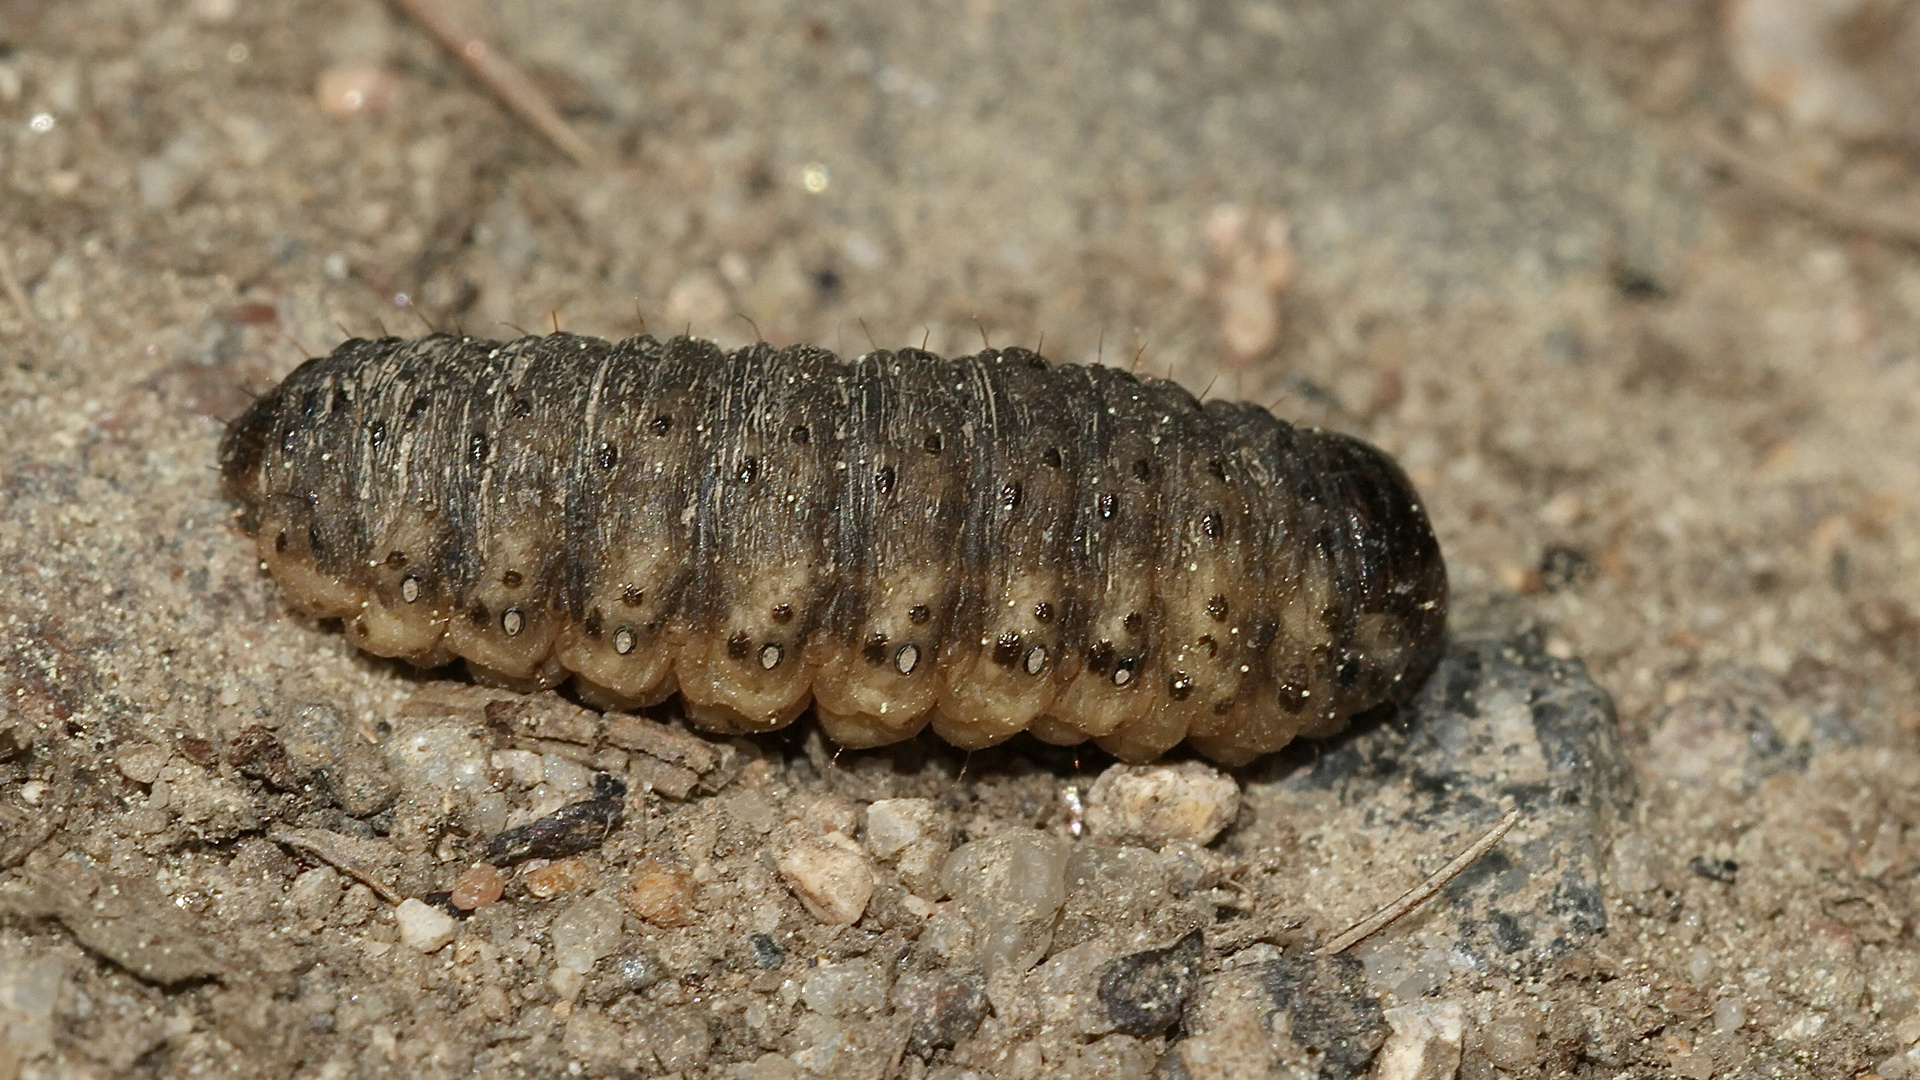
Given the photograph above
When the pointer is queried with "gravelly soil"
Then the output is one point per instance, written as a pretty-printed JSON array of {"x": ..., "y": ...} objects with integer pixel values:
[{"x": 1665, "y": 426}]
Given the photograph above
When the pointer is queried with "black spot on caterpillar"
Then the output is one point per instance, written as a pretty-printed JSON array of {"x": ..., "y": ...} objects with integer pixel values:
[{"x": 987, "y": 544}]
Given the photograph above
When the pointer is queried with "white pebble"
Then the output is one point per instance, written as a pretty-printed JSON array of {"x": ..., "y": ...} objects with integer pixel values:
[
  {"x": 1425, "y": 1044},
  {"x": 424, "y": 928},
  {"x": 1158, "y": 804},
  {"x": 895, "y": 824},
  {"x": 910, "y": 834},
  {"x": 141, "y": 762},
  {"x": 857, "y": 987},
  {"x": 522, "y": 767},
  {"x": 568, "y": 779},
  {"x": 443, "y": 757},
  {"x": 833, "y": 882},
  {"x": 587, "y": 930}
]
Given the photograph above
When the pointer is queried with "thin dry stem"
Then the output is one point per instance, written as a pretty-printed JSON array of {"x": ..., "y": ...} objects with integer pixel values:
[
  {"x": 1422, "y": 892},
  {"x": 10, "y": 282},
  {"x": 1891, "y": 223},
  {"x": 500, "y": 75}
]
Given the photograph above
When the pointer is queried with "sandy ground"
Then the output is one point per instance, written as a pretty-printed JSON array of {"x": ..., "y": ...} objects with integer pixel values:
[{"x": 1664, "y": 422}]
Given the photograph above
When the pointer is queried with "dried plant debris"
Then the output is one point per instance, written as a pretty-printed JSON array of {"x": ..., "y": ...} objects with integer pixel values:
[
  {"x": 655, "y": 756},
  {"x": 369, "y": 861},
  {"x": 572, "y": 829}
]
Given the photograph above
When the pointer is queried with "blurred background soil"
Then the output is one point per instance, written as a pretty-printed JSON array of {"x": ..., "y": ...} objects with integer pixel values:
[{"x": 1632, "y": 289}]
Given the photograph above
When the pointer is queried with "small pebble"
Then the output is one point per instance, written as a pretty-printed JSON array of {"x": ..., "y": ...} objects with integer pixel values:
[
  {"x": 480, "y": 885},
  {"x": 141, "y": 762},
  {"x": 1157, "y": 804},
  {"x": 1510, "y": 1044},
  {"x": 560, "y": 876},
  {"x": 941, "y": 1008},
  {"x": 588, "y": 929},
  {"x": 444, "y": 757},
  {"x": 315, "y": 892},
  {"x": 568, "y": 779},
  {"x": 910, "y": 834},
  {"x": 832, "y": 882},
  {"x": 833, "y": 814},
  {"x": 345, "y": 90},
  {"x": 1424, "y": 1043},
  {"x": 662, "y": 895},
  {"x": 895, "y": 824},
  {"x": 629, "y": 973},
  {"x": 1011, "y": 886},
  {"x": 422, "y": 927},
  {"x": 856, "y": 987},
  {"x": 767, "y": 953}
]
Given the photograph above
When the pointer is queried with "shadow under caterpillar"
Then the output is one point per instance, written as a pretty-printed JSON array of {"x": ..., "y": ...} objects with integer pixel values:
[{"x": 988, "y": 544}]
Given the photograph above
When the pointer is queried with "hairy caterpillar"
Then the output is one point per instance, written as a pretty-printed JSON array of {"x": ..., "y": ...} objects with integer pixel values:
[{"x": 987, "y": 544}]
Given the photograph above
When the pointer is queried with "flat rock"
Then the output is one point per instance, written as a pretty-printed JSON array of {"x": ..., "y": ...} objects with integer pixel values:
[
  {"x": 1500, "y": 724},
  {"x": 128, "y": 922}
]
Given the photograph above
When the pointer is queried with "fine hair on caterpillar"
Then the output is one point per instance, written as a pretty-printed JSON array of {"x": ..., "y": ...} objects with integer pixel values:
[{"x": 985, "y": 544}]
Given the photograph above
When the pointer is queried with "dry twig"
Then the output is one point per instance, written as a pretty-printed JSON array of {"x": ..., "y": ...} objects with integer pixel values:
[
  {"x": 500, "y": 75},
  {"x": 1420, "y": 893},
  {"x": 10, "y": 282},
  {"x": 1889, "y": 222},
  {"x": 360, "y": 858}
]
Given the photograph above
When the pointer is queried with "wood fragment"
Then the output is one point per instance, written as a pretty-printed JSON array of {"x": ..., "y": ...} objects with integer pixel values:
[
  {"x": 501, "y": 76},
  {"x": 357, "y": 857},
  {"x": 653, "y": 755},
  {"x": 574, "y": 752},
  {"x": 546, "y": 717},
  {"x": 660, "y": 741},
  {"x": 449, "y": 699},
  {"x": 671, "y": 781},
  {"x": 1888, "y": 222},
  {"x": 1422, "y": 892}
]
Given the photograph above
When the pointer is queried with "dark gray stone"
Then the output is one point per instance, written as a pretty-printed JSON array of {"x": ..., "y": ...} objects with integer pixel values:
[
  {"x": 767, "y": 953},
  {"x": 1303, "y": 1015},
  {"x": 1146, "y": 993},
  {"x": 1329, "y": 1013},
  {"x": 941, "y": 1008},
  {"x": 626, "y": 973}
]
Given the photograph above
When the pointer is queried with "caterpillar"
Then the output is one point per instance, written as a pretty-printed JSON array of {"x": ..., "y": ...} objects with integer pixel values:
[{"x": 985, "y": 544}]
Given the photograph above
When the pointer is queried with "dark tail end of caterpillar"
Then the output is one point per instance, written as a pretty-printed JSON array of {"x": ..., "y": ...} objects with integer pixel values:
[{"x": 1388, "y": 568}]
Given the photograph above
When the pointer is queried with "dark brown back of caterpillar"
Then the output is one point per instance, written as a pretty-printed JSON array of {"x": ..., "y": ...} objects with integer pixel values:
[{"x": 989, "y": 544}]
